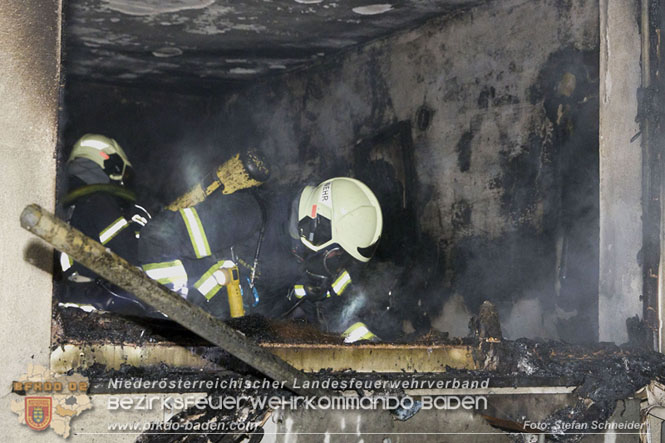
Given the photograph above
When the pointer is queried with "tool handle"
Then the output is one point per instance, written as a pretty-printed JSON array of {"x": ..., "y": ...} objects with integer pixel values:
[{"x": 234, "y": 293}]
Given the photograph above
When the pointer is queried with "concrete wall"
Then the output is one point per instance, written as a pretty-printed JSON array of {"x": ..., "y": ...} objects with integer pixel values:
[
  {"x": 30, "y": 58},
  {"x": 29, "y": 83},
  {"x": 620, "y": 170}
]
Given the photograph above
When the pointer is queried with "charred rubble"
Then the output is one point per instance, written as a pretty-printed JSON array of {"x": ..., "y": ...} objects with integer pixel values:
[{"x": 603, "y": 373}]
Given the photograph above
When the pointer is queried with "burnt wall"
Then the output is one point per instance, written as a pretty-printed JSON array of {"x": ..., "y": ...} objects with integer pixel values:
[
  {"x": 505, "y": 159},
  {"x": 506, "y": 169}
]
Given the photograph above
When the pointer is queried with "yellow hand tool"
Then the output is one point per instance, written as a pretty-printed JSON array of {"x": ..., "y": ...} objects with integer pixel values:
[{"x": 229, "y": 277}]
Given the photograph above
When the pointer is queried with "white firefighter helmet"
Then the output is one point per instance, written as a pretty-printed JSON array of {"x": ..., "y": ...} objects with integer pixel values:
[
  {"x": 342, "y": 211},
  {"x": 103, "y": 151}
]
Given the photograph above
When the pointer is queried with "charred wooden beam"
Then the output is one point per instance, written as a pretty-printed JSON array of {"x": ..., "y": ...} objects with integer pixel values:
[
  {"x": 118, "y": 271},
  {"x": 378, "y": 357}
]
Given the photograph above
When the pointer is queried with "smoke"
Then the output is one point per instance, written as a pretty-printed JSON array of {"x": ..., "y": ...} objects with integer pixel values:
[
  {"x": 373, "y": 300},
  {"x": 454, "y": 317},
  {"x": 541, "y": 187},
  {"x": 351, "y": 311},
  {"x": 528, "y": 318}
]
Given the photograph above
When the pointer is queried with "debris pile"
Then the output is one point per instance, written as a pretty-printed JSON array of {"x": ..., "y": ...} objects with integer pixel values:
[{"x": 603, "y": 373}]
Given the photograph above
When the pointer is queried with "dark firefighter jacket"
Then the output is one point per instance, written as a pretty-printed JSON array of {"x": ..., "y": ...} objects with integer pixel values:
[
  {"x": 115, "y": 222},
  {"x": 182, "y": 249}
]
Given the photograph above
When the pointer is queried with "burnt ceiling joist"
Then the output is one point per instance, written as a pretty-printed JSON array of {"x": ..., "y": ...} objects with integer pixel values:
[{"x": 211, "y": 42}]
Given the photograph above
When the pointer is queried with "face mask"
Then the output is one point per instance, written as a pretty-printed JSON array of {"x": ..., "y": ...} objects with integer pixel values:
[{"x": 328, "y": 262}]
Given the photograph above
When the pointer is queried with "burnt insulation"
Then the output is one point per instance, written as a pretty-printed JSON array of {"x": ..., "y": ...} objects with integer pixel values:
[{"x": 604, "y": 374}]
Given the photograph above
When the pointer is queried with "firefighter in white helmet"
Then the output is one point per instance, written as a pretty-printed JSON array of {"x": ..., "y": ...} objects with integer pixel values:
[
  {"x": 339, "y": 223},
  {"x": 340, "y": 214},
  {"x": 292, "y": 247},
  {"x": 101, "y": 204}
]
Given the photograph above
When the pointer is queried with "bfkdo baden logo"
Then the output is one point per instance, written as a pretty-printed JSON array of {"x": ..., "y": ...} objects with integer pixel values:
[
  {"x": 38, "y": 412},
  {"x": 46, "y": 400}
]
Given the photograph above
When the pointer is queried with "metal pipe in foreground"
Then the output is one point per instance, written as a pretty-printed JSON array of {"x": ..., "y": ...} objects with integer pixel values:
[{"x": 118, "y": 271}]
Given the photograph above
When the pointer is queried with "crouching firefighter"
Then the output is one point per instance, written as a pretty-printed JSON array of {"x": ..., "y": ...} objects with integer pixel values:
[
  {"x": 274, "y": 252},
  {"x": 338, "y": 229},
  {"x": 101, "y": 204}
]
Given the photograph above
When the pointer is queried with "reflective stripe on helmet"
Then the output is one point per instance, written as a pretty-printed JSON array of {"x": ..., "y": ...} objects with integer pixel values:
[
  {"x": 103, "y": 151},
  {"x": 65, "y": 262},
  {"x": 167, "y": 273},
  {"x": 299, "y": 291},
  {"x": 341, "y": 283},
  {"x": 196, "y": 233},
  {"x": 208, "y": 285},
  {"x": 112, "y": 230},
  {"x": 358, "y": 331},
  {"x": 95, "y": 144}
]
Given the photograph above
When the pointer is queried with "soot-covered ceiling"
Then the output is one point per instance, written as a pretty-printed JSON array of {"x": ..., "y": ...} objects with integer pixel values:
[{"x": 208, "y": 42}]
